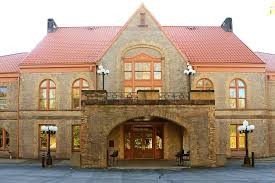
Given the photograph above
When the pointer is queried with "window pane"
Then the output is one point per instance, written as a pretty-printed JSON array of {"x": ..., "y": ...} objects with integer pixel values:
[
  {"x": 232, "y": 103},
  {"x": 232, "y": 130},
  {"x": 43, "y": 140},
  {"x": 157, "y": 75},
  {"x": 43, "y": 93},
  {"x": 138, "y": 75},
  {"x": 200, "y": 84},
  {"x": 52, "y": 83},
  {"x": 128, "y": 75},
  {"x": 157, "y": 66},
  {"x": 51, "y": 93},
  {"x": 53, "y": 141},
  {"x": 146, "y": 75},
  {"x": 146, "y": 66},
  {"x": 3, "y": 92},
  {"x": 43, "y": 104},
  {"x": 127, "y": 66},
  {"x": 138, "y": 66},
  {"x": 233, "y": 143},
  {"x": 52, "y": 104},
  {"x": 242, "y": 142},
  {"x": 3, "y": 103},
  {"x": 233, "y": 84},
  {"x": 241, "y": 103},
  {"x": 85, "y": 84},
  {"x": 240, "y": 83},
  {"x": 76, "y": 137},
  {"x": 44, "y": 84},
  {"x": 241, "y": 93},
  {"x": 77, "y": 83},
  {"x": 232, "y": 92},
  {"x": 208, "y": 84}
]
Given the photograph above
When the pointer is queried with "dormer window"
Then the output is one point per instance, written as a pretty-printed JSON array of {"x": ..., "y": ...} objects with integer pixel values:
[{"x": 142, "y": 20}]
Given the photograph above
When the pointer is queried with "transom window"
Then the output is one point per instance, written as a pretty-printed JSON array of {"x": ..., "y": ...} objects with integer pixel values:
[
  {"x": 47, "y": 95},
  {"x": 78, "y": 85},
  {"x": 237, "y": 91},
  {"x": 142, "y": 72},
  {"x": 4, "y": 139},
  {"x": 204, "y": 84},
  {"x": 237, "y": 140},
  {"x": 3, "y": 97},
  {"x": 76, "y": 137},
  {"x": 44, "y": 139}
]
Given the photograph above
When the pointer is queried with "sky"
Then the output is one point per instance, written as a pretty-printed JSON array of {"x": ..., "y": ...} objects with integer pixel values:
[{"x": 24, "y": 22}]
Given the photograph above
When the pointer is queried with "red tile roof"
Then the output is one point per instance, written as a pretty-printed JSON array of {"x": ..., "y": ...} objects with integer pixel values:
[
  {"x": 210, "y": 45},
  {"x": 73, "y": 45},
  {"x": 204, "y": 45},
  {"x": 10, "y": 63},
  {"x": 269, "y": 59}
]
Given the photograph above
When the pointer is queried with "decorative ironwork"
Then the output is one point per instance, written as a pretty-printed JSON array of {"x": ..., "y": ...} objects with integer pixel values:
[{"x": 134, "y": 95}]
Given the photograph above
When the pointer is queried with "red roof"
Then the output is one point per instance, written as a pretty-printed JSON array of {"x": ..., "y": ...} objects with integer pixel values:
[
  {"x": 210, "y": 45},
  {"x": 269, "y": 59},
  {"x": 10, "y": 63},
  {"x": 203, "y": 45},
  {"x": 73, "y": 45}
]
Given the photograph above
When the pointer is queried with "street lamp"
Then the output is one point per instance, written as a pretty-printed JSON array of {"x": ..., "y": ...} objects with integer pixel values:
[
  {"x": 246, "y": 128},
  {"x": 188, "y": 72},
  {"x": 49, "y": 130},
  {"x": 103, "y": 72}
]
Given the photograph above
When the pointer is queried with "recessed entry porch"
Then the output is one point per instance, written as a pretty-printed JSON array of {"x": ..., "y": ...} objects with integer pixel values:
[{"x": 147, "y": 141}]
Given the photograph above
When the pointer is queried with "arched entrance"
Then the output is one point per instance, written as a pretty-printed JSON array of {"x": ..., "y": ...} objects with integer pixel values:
[{"x": 148, "y": 138}]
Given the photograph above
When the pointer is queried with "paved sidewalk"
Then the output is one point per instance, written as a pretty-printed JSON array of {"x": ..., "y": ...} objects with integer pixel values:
[{"x": 26, "y": 171}]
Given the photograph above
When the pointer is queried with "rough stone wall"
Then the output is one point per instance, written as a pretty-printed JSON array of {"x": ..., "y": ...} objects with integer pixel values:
[
  {"x": 255, "y": 88},
  {"x": 11, "y": 95},
  {"x": 29, "y": 92},
  {"x": 148, "y": 37},
  {"x": 101, "y": 119}
]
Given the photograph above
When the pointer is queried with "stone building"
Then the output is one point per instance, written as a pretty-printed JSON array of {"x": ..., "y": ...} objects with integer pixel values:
[{"x": 145, "y": 112}]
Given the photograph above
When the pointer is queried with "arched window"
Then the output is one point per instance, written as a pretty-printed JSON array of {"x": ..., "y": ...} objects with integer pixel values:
[
  {"x": 78, "y": 85},
  {"x": 237, "y": 91},
  {"x": 204, "y": 84},
  {"x": 47, "y": 95},
  {"x": 4, "y": 139}
]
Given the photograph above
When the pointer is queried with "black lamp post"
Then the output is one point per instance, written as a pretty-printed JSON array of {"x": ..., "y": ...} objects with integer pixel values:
[
  {"x": 189, "y": 71},
  {"x": 49, "y": 130},
  {"x": 246, "y": 128},
  {"x": 103, "y": 72}
]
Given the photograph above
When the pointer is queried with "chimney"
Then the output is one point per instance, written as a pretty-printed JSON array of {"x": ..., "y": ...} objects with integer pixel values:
[
  {"x": 51, "y": 25},
  {"x": 227, "y": 25}
]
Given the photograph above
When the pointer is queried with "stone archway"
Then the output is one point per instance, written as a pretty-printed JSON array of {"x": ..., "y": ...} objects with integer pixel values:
[{"x": 99, "y": 120}]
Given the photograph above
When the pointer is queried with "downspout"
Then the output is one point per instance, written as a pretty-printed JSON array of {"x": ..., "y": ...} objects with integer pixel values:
[{"x": 18, "y": 93}]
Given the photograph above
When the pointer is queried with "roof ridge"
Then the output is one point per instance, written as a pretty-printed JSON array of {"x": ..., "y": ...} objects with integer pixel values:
[
  {"x": 91, "y": 26},
  {"x": 265, "y": 53}
]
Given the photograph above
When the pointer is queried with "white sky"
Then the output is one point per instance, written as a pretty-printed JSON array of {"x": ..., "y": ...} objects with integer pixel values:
[{"x": 23, "y": 23}]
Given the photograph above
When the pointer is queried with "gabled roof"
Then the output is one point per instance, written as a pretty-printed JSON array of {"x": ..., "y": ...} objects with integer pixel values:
[
  {"x": 10, "y": 63},
  {"x": 269, "y": 59},
  {"x": 204, "y": 45}
]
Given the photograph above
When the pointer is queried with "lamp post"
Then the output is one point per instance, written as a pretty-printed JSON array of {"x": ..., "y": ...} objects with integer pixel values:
[
  {"x": 49, "y": 130},
  {"x": 246, "y": 128},
  {"x": 188, "y": 72},
  {"x": 103, "y": 72}
]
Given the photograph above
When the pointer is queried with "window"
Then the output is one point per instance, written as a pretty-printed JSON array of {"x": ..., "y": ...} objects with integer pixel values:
[
  {"x": 128, "y": 71},
  {"x": 4, "y": 139},
  {"x": 157, "y": 71},
  {"x": 47, "y": 95},
  {"x": 3, "y": 97},
  {"x": 237, "y": 91},
  {"x": 204, "y": 84},
  {"x": 143, "y": 71},
  {"x": 76, "y": 137},
  {"x": 44, "y": 140},
  {"x": 142, "y": 19},
  {"x": 78, "y": 85},
  {"x": 237, "y": 140}
]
